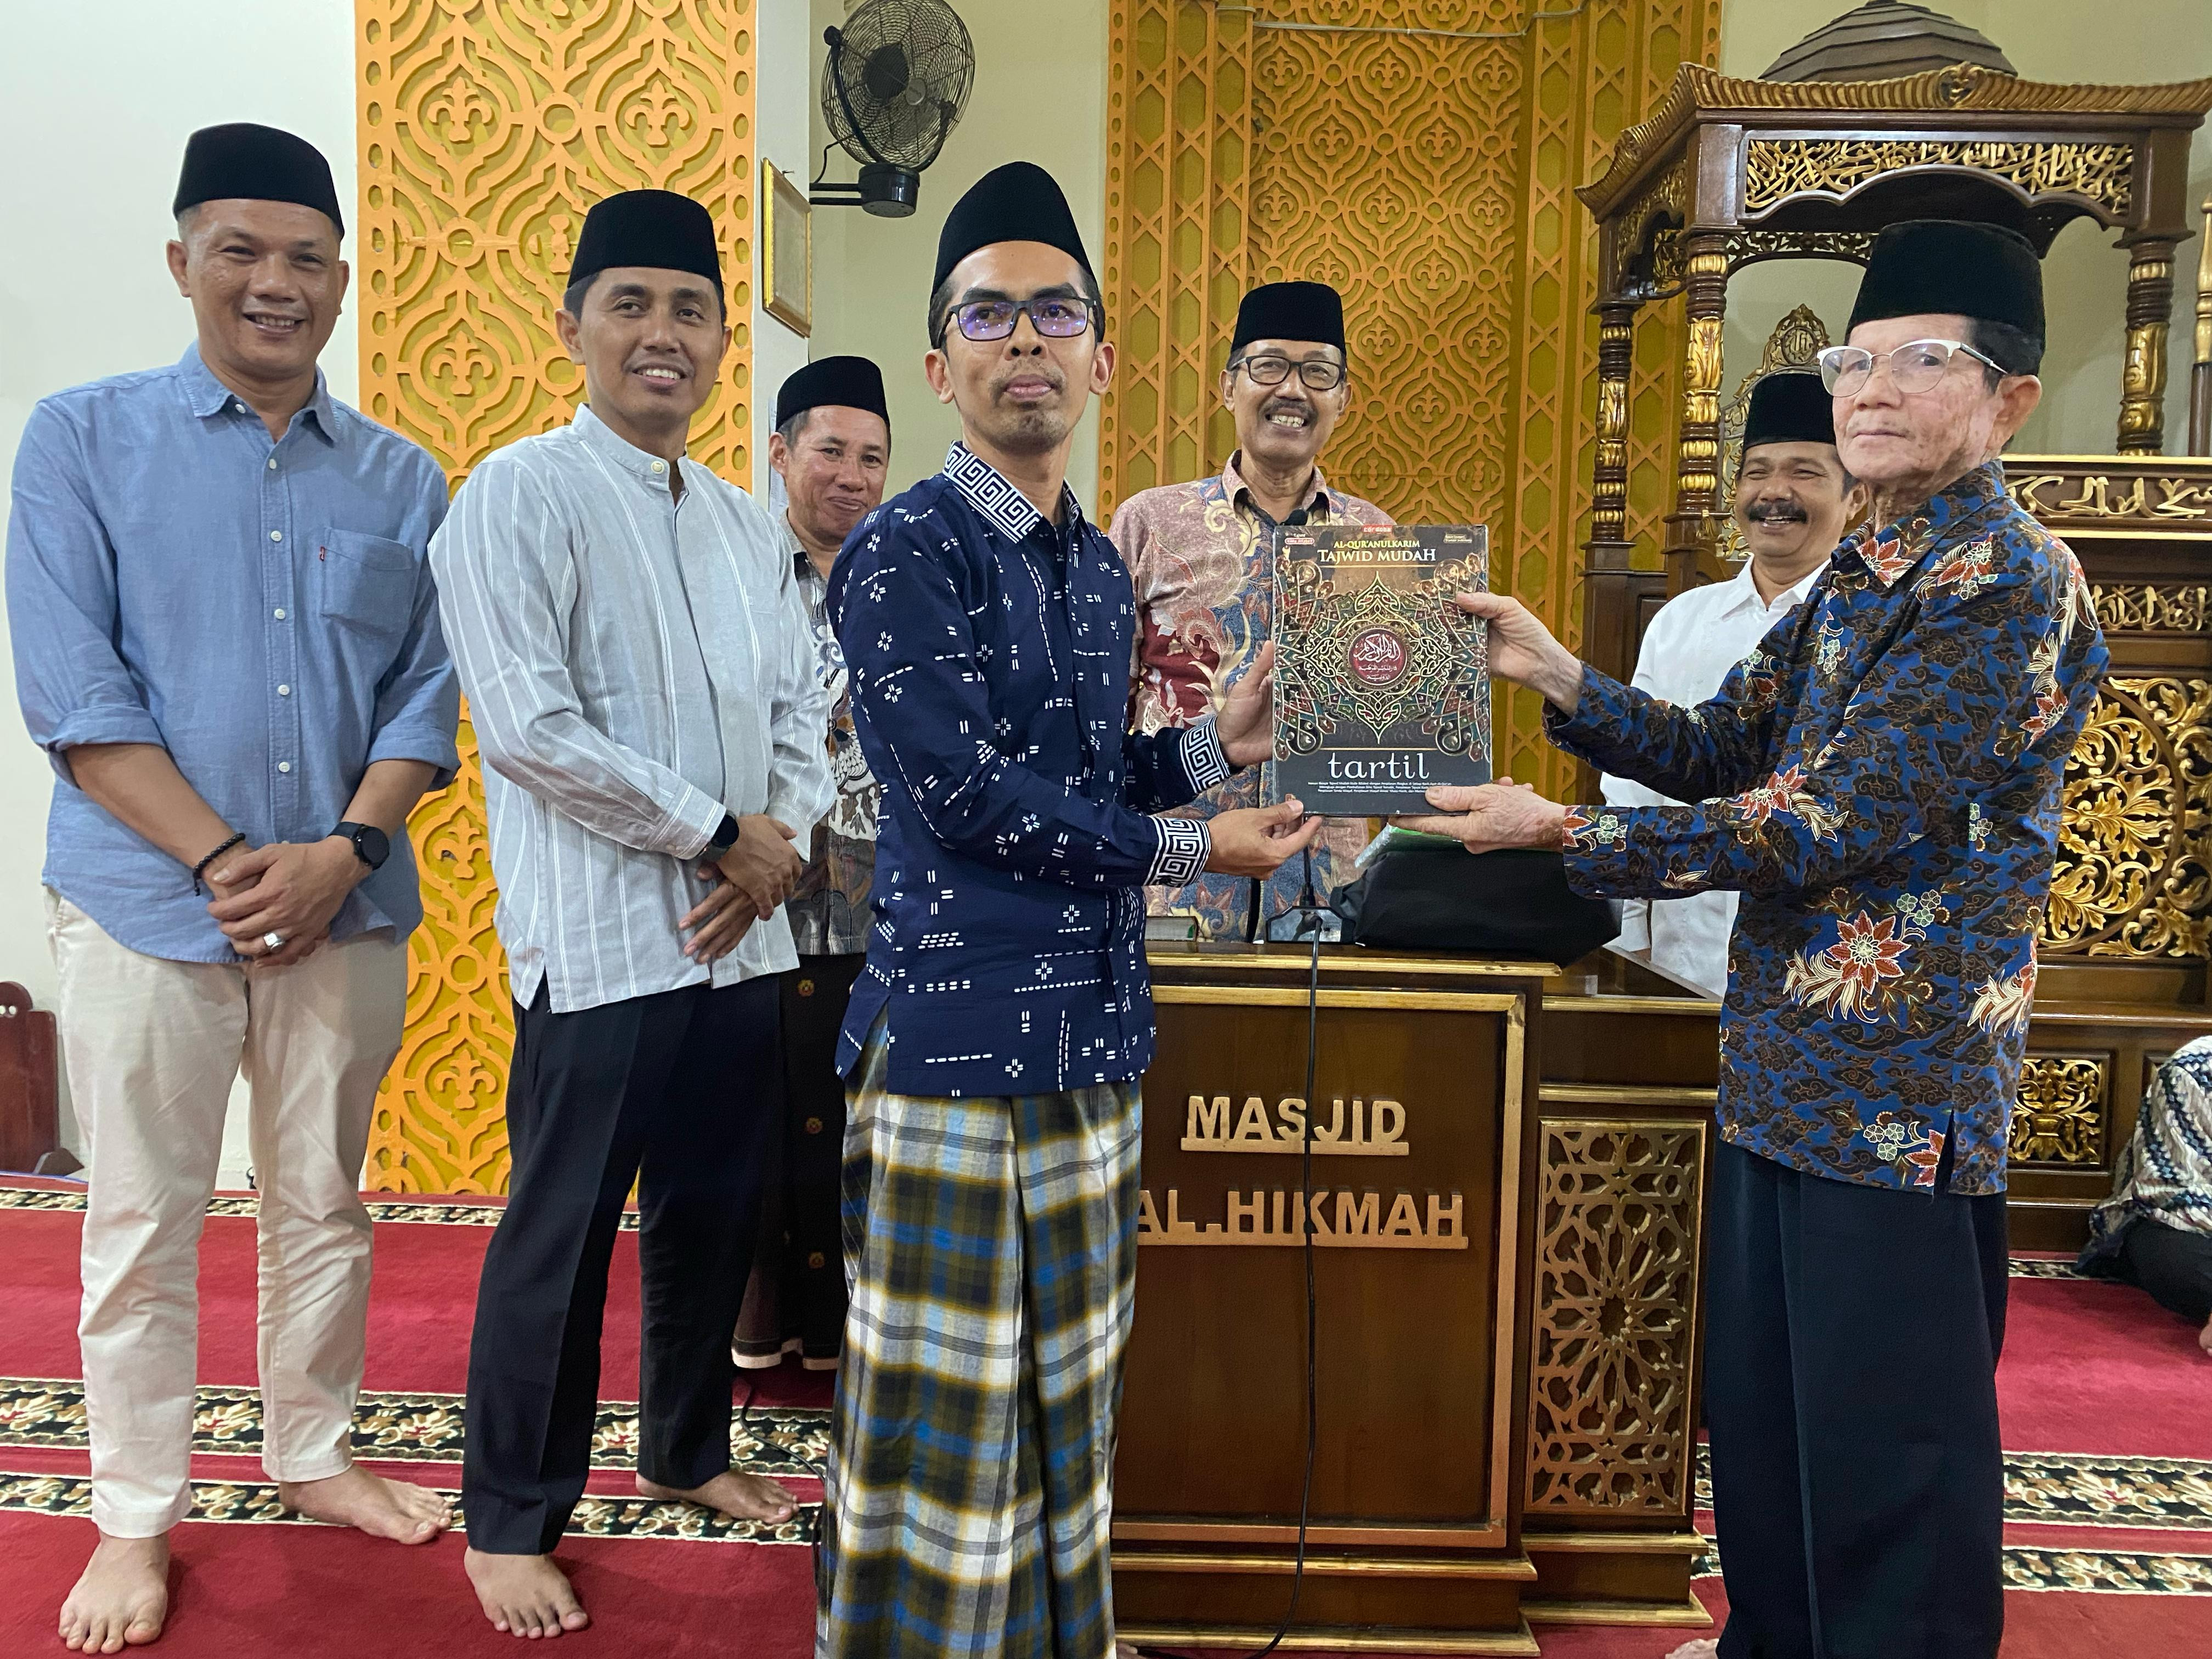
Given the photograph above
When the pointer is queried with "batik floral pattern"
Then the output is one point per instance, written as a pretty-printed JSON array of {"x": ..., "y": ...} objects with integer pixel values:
[
  {"x": 1881, "y": 780},
  {"x": 1200, "y": 557}
]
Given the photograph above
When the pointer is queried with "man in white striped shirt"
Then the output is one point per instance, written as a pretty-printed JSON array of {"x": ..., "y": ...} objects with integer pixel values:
[{"x": 639, "y": 672}]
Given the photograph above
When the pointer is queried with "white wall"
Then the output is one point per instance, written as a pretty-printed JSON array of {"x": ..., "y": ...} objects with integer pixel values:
[
  {"x": 782, "y": 97},
  {"x": 2085, "y": 276},
  {"x": 96, "y": 100},
  {"x": 1040, "y": 96}
]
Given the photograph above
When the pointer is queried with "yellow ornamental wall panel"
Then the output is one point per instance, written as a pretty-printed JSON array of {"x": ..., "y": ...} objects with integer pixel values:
[
  {"x": 1420, "y": 155},
  {"x": 485, "y": 132}
]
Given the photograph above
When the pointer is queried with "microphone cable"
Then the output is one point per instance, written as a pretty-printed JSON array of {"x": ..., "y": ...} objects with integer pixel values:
[{"x": 1308, "y": 909}]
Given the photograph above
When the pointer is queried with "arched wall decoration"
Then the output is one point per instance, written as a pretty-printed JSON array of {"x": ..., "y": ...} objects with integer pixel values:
[
  {"x": 485, "y": 131},
  {"x": 1430, "y": 176}
]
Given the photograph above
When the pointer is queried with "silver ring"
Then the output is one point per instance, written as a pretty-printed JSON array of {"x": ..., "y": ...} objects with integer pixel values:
[{"x": 272, "y": 943}]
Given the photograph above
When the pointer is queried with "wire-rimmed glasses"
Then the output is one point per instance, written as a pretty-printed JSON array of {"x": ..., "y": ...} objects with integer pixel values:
[{"x": 1916, "y": 366}]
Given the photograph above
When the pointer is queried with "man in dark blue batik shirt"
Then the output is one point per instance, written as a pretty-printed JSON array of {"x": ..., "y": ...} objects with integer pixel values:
[
  {"x": 993, "y": 1043},
  {"x": 1880, "y": 779}
]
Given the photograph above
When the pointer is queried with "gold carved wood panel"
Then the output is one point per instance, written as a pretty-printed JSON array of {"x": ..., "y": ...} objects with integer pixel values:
[
  {"x": 2060, "y": 1116},
  {"x": 1430, "y": 176},
  {"x": 1617, "y": 1247},
  {"x": 2133, "y": 870},
  {"x": 485, "y": 131},
  {"x": 1776, "y": 168}
]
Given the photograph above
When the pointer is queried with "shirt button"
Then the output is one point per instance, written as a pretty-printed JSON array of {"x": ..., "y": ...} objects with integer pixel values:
[
  {"x": 283, "y": 766},
  {"x": 276, "y": 535},
  {"x": 237, "y": 408},
  {"x": 814, "y": 1126},
  {"x": 659, "y": 467},
  {"x": 284, "y": 690},
  {"x": 280, "y": 613},
  {"x": 816, "y": 1261},
  {"x": 272, "y": 463}
]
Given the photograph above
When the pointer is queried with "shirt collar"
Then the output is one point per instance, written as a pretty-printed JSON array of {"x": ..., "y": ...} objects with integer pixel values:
[
  {"x": 604, "y": 441},
  {"x": 1887, "y": 551},
  {"x": 801, "y": 565},
  {"x": 1232, "y": 483},
  {"x": 205, "y": 395},
  {"x": 993, "y": 495},
  {"x": 1742, "y": 590}
]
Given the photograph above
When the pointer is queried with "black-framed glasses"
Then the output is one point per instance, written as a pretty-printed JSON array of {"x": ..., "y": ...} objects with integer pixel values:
[
  {"x": 1055, "y": 316},
  {"x": 1267, "y": 368},
  {"x": 1916, "y": 366}
]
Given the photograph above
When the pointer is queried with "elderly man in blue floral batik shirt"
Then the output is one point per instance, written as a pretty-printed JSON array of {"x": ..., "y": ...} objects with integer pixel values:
[{"x": 1880, "y": 778}]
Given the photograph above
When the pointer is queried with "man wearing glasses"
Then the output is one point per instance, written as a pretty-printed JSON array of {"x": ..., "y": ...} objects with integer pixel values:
[
  {"x": 1202, "y": 554},
  {"x": 993, "y": 1045},
  {"x": 1881, "y": 780}
]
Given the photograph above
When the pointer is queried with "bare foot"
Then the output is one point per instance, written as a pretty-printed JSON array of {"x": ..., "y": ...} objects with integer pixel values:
[
  {"x": 397, "y": 1510},
  {"x": 1704, "y": 1648},
  {"x": 525, "y": 1595},
  {"x": 122, "y": 1598},
  {"x": 740, "y": 1497}
]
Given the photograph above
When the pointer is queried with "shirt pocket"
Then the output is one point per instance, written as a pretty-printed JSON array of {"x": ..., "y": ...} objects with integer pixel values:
[{"x": 368, "y": 582}]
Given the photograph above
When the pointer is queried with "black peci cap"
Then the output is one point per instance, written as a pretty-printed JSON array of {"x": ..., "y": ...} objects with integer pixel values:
[
  {"x": 245, "y": 161},
  {"x": 1951, "y": 267},
  {"x": 1019, "y": 202},
  {"x": 844, "y": 382},
  {"x": 655, "y": 229},
  {"x": 1789, "y": 407},
  {"x": 1290, "y": 311}
]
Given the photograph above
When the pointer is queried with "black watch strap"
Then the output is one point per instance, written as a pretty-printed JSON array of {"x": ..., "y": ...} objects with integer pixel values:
[
  {"x": 724, "y": 838},
  {"x": 370, "y": 844}
]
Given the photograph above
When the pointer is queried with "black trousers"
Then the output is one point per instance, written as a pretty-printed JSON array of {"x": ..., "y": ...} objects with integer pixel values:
[
  {"x": 797, "y": 1298},
  {"x": 678, "y": 1091},
  {"x": 2175, "y": 1267},
  {"x": 1851, "y": 1340}
]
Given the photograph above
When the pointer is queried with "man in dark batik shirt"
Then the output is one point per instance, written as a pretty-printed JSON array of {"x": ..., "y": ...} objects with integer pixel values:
[
  {"x": 994, "y": 1042},
  {"x": 1881, "y": 780}
]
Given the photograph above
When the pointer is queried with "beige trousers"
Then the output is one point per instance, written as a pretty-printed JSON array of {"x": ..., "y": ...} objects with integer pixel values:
[{"x": 152, "y": 1047}]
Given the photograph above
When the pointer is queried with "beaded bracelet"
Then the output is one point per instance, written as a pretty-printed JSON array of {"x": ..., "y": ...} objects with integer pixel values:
[{"x": 200, "y": 869}]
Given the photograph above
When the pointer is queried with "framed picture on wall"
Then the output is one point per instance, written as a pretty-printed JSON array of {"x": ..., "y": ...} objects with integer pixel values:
[{"x": 786, "y": 252}]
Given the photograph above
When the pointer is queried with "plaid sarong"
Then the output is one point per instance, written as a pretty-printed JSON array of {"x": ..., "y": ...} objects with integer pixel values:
[{"x": 991, "y": 1247}]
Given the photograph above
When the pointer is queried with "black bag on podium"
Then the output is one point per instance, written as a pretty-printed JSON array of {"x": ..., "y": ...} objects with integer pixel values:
[{"x": 1514, "y": 903}]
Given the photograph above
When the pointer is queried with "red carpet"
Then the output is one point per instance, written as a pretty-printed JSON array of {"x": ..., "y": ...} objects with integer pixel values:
[{"x": 2089, "y": 1368}]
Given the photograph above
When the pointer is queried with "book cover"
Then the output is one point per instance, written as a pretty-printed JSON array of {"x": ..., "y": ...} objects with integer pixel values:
[{"x": 1381, "y": 683}]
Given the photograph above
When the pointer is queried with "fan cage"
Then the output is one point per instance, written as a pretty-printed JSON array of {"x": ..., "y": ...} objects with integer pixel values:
[{"x": 907, "y": 130}]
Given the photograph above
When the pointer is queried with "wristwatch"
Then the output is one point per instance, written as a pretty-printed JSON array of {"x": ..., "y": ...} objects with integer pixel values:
[
  {"x": 724, "y": 839},
  {"x": 370, "y": 844}
]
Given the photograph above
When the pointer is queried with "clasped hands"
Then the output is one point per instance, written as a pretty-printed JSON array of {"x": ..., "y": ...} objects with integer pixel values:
[
  {"x": 289, "y": 888},
  {"x": 1491, "y": 816},
  {"x": 759, "y": 871}
]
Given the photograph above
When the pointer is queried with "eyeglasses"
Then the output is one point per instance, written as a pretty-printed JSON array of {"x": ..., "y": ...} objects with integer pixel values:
[
  {"x": 1916, "y": 366},
  {"x": 1054, "y": 317},
  {"x": 1319, "y": 373}
]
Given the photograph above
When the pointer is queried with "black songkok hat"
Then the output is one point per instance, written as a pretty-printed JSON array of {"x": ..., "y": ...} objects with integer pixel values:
[
  {"x": 1790, "y": 407},
  {"x": 1019, "y": 202},
  {"x": 845, "y": 382},
  {"x": 244, "y": 161},
  {"x": 1290, "y": 311},
  {"x": 1948, "y": 266},
  {"x": 657, "y": 230}
]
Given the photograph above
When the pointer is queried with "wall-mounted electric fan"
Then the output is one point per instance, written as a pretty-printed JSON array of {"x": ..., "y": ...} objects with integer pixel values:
[{"x": 897, "y": 77}]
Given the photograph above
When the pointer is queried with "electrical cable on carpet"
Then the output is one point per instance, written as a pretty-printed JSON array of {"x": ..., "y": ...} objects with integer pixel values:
[{"x": 1309, "y": 916}]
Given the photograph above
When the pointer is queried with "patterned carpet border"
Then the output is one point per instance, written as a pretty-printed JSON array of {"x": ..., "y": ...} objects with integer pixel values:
[
  {"x": 406, "y": 1428},
  {"x": 2075, "y": 1489},
  {"x": 402, "y": 1210},
  {"x": 2104, "y": 1572},
  {"x": 255, "y": 1501}
]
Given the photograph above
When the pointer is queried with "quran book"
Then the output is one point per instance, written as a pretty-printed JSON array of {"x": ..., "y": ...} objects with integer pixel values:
[{"x": 1381, "y": 683}]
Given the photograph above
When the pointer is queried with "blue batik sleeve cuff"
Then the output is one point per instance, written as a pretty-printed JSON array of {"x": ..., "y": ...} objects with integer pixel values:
[
  {"x": 1184, "y": 844},
  {"x": 1203, "y": 757}
]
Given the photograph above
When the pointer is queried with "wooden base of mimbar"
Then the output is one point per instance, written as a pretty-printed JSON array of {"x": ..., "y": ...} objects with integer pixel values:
[{"x": 1439, "y": 1182}]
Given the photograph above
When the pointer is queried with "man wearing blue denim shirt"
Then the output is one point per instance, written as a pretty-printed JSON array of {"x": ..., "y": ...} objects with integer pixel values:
[{"x": 227, "y": 639}]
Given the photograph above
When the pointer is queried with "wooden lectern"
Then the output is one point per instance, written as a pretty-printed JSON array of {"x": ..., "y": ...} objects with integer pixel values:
[{"x": 1506, "y": 1303}]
